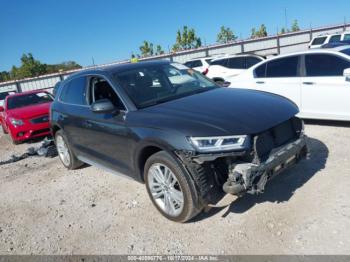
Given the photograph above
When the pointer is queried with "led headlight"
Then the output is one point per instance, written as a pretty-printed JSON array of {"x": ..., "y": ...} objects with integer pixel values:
[
  {"x": 219, "y": 143},
  {"x": 16, "y": 122}
]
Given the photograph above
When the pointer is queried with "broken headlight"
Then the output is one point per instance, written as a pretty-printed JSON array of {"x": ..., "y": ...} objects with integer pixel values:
[{"x": 219, "y": 143}]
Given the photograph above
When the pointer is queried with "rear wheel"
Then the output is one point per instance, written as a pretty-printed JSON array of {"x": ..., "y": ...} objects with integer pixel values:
[
  {"x": 170, "y": 188},
  {"x": 65, "y": 153}
]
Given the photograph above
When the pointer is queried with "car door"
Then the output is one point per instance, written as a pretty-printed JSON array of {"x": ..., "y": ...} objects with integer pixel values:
[
  {"x": 72, "y": 112},
  {"x": 325, "y": 91},
  {"x": 279, "y": 76},
  {"x": 106, "y": 139}
]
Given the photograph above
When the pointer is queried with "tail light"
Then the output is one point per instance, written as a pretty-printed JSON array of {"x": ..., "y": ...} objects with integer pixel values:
[{"x": 205, "y": 71}]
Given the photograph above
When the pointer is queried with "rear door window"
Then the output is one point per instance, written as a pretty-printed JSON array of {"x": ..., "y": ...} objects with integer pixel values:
[
  {"x": 222, "y": 62},
  {"x": 325, "y": 65},
  {"x": 346, "y": 37},
  {"x": 197, "y": 63},
  {"x": 250, "y": 61},
  {"x": 189, "y": 64},
  {"x": 74, "y": 92},
  {"x": 283, "y": 67},
  {"x": 319, "y": 40},
  {"x": 236, "y": 63},
  {"x": 334, "y": 38}
]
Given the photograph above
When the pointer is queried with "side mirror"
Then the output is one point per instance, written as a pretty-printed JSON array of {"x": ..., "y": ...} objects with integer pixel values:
[
  {"x": 346, "y": 73},
  {"x": 103, "y": 106},
  {"x": 2, "y": 109}
]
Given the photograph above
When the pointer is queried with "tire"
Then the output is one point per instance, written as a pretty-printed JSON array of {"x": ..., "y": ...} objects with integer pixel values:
[
  {"x": 165, "y": 189},
  {"x": 65, "y": 153}
]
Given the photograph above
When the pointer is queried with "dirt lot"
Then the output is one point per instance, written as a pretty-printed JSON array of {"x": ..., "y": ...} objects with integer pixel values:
[{"x": 45, "y": 209}]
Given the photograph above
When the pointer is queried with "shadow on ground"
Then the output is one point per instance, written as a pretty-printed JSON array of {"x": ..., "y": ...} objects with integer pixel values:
[{"x": 282, "y": 187}]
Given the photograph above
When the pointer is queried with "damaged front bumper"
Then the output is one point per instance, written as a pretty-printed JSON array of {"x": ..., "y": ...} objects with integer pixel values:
[{"x": 251, "y": 178}]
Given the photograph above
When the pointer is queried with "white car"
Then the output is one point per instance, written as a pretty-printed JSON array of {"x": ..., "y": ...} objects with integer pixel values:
[
  {"x": 3, "y": 95},
  {"x": 318, "y": 41},
  {"x": 199, "y": 64},
  {"x": 317, "y": 81},
  {"x": 220, "y": 69}
]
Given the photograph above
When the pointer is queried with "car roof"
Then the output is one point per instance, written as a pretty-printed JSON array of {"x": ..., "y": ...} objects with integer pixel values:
[
  {"x": 118, "y": 68},
  {"x": 237, "y": 55},
  {"x": 28, "y": 93},
  {"x": 335, "y": 50}
]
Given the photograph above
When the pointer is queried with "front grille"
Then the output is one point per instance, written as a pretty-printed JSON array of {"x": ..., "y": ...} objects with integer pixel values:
[
  {"x": 39, "y": 120},
  {"x": 38, "y": 132},
  {"x": 265, "y": 142}
]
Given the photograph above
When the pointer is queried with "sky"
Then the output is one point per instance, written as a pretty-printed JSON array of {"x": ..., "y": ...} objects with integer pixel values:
[{"x": 110, "y": 30}]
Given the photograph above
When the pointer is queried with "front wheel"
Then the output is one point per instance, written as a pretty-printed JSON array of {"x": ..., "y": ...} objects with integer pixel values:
[
  {"x": 170, "y": 188},
  {"x": 65, "y": 153}
]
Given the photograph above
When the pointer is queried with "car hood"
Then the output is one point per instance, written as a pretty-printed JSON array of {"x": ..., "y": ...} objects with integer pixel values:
[
  {"x": 29, "y": 112},
  {"x": 222, "y": 111}
]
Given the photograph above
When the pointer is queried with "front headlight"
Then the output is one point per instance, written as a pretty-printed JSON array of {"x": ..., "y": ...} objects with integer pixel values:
[
  {"x": 16, "y": 122},
  {"x": 219, "y": 143}
]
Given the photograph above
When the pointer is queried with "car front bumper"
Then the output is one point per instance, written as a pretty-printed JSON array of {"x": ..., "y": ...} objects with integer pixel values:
[
  {"x": 29, "y": 131},
  {"x": 251, "y": 178}
]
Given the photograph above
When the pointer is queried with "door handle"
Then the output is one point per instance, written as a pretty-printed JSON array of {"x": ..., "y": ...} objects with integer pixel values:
[
  {"x": 260, "y": 82},
  {"x": 308, "y": 83}
]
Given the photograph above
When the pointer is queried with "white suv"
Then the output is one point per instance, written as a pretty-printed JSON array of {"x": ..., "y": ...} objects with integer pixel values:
[
  {"x": 325, "y": 39},
  {"x": 199, "y": 64},
  {"x": 224, "y": 67},
  {"x": 317, "y": 81}
]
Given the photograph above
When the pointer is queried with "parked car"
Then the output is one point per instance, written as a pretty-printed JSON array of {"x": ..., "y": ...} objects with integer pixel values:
[
  {"x": 224, "y": 67},
  {"x": 199, "y": 64},
  {"x": 3, "y": 95},
  {"x": 318, "y": 41},
  {"x": 171, "y": 128},
  {"x": 317, "y": 81},
  {"x": 336, "y": 44},
  {"x": 26, "y": 115}
]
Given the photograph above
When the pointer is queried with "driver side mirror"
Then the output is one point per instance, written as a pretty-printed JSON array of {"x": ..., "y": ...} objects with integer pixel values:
[
  {"x": 103, "y": 106},
  {"x": 346, "y": 73},
  {"x": 2, "y": 109}
]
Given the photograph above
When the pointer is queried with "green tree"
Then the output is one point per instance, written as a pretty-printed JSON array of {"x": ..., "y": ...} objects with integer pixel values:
[
  {"x": 146, "y": 49},
  {"x": 295, "y": 26},
  {"x": 159, "y": 50},
  {"x": 225, "y": 35},
  {"x": 30, "y": 67},
  {"x": 283, "y": 31},
  {"x": 253, "y": 33},
  {"x": 262, "y": 32},
  {"x": 186, "y": 39}
]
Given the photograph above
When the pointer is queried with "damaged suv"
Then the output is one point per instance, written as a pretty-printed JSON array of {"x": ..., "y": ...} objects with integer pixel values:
[{"x": 175, "y": 130}]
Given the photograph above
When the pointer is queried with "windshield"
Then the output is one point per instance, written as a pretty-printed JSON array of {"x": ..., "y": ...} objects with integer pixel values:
[
  {"x": 346, "y": 51},
  {"x": 28, "y": 100},
  {"x": 3, "y": 95},
  {"x": 150, "y": 85}
]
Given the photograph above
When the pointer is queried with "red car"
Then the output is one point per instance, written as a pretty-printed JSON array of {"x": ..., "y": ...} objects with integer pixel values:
[{"x": 26, "y": 115}]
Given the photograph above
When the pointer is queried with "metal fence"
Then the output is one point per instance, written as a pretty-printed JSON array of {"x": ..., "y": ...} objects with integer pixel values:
[{"x": 270, "y": 45}]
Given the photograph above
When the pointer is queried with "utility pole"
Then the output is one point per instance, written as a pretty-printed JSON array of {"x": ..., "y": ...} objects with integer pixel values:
[
  {"x": 93, "y": 61},
  {"x": 285, "y": 18}
]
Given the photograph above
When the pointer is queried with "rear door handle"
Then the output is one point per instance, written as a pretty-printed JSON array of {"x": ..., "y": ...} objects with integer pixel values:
[
  {"x": 260, "y": 82},
  {"x": 308, "y": 83}
]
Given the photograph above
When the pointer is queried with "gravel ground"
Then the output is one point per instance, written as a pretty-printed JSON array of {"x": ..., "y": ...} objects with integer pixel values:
[{"x": 45, "y": 209}]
